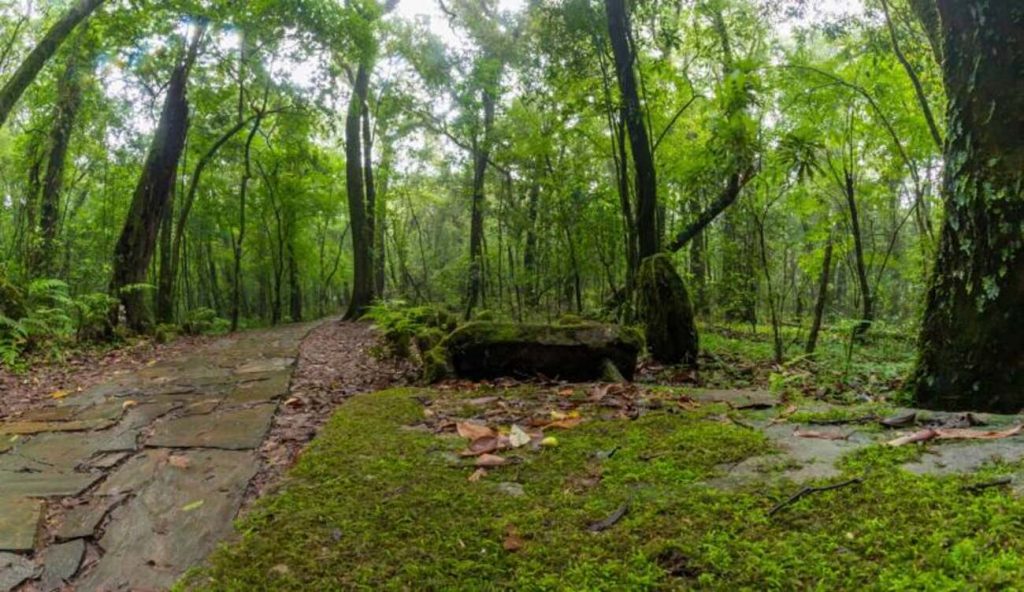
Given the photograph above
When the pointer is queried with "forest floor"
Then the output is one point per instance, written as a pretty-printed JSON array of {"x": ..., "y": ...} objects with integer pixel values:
[
  {"x": 134, "y": 471},
  {"x": 749, "y": 476}
]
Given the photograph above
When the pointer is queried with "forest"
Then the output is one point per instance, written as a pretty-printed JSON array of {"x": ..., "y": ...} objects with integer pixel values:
[{"x": 819, "y": 202}]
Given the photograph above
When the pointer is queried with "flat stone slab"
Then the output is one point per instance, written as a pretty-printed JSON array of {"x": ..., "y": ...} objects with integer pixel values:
[
  {"x": 230, "y": 429},
  {"x": 264, "y": 389},
  {"x": 265, "y": 365},
  {"x": 60, "y": 564},
  {"x": 82, "y": 521},
  {"x": 14, "y": 571},
  {"x": 19, "y": 520},
  {"x": 736, "y": 398},
  {"x": 44, "y": 484},
  {"x": 181, "y": 510},
  {"x": 23, "y": 428}
]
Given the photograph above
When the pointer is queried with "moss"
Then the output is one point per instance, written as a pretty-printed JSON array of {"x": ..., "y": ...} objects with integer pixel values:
[
  {"x": 12, "y": 300},
  {"x": 374, "y": 506},
  {"x": 436, "y": 365},
  {"x": 667, "y": 312}
]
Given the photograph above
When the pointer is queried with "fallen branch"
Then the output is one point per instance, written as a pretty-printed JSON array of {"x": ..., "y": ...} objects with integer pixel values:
[
  {"x": 809, "y": 490},
  {"x": 987, "y": 484},
  {"x": 610, "y": 521}
]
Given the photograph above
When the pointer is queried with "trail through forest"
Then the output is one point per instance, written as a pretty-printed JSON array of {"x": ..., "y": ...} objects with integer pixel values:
[{"x": 133, "y": 481}]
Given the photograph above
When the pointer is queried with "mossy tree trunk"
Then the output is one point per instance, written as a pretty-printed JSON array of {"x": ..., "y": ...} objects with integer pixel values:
[
  {"x": 667, "y": 312},
  {"x": 972, "y": 338}
]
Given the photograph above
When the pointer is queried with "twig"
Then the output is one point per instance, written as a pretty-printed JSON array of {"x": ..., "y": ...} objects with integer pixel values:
[
  {"x": 977, "y": 487},
  {"x": 809, "y": 490},
  {"x": 610, "y": 521}
]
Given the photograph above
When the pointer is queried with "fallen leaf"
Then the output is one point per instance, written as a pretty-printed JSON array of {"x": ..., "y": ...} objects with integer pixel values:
[
  {"x": 819, "y": 435},
  {"x": 566, "y": 392},
  {"x": 513, "y": 542},
  {"x": 473, "y": 431},
  {"x": 687, "y": 403},
  {"x": 518, "y": 437},
  {"x": 129, "y": 404},
  {"x": 567, "y": 423},
  {"x": 490, "y": 460},
  {"x": 481, "y": 401},
  {"x": 477, "y": 475},
  {"x": 481, "y": 446},
  {"x": 193, "y": 506},
  {"x": 899, "y": 421},
  {"x": 59, "y": 394},
  {"x": 179, "y": 462}
]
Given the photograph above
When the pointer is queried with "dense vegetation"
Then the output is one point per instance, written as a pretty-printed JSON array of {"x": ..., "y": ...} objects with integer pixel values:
[{"x": 208, "y": 163}]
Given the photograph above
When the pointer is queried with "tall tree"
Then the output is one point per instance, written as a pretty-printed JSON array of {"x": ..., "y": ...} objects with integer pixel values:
[
  {"x": 972, "y": 337},
  {"x": 152, "y": 197},
  {"x": 41, "y": 53}
]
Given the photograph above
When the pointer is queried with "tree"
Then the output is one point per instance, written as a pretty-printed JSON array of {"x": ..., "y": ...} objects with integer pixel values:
[
  {"x": 43, "y": 51},
  {"x": 152, "y": 198},
  {"x": 971, "y": 353}
]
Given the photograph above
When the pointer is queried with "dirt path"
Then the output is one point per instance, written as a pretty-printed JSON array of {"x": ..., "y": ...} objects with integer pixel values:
[{"x": 133, "y": 481}]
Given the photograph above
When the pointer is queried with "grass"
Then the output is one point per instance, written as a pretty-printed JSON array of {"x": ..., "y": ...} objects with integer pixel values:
[{"x": 376, "y": 504}]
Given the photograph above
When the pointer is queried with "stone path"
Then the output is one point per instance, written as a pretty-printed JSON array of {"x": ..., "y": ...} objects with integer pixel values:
[
  {"x": 129, "y": 484},
  {"x": 801, "y": 459}
]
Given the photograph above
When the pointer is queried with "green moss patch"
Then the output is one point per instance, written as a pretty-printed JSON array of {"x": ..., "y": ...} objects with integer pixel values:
[{"x": 380, "y": 501}]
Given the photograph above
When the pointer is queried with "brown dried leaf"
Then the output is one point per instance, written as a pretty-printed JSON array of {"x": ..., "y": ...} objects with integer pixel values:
[
  {"x": 566, "y": 424},
  {"x": 477, "y": 475},
  {"x": 513, "y": 542},
  {"x": 482, "y": 446},
  {"x": 473, "y": 431},
  {"x": 490, "y": 460}
]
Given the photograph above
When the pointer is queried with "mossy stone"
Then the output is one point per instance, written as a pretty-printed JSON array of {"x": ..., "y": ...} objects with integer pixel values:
[
  {"x": 573, "y": 352},
  {"x": 667, "y": 312}
]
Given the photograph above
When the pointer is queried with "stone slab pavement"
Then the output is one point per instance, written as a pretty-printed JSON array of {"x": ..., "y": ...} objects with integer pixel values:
[{"x": 129, "y": 484}]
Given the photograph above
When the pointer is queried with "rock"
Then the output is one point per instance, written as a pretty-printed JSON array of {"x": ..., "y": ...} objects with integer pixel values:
[
  {"x": 231, "y": 429},
  {"x": 19, "y": 520},
  {"x": 60, "y": 564},
  {"x": 14, "y": 570},
  {"x": 178, "y": 515},
  {"x": 511, "y": 489},
  {"x": 81, "y": 521},
  {"x": 575, "y": 352},
  {"x": 44, "y": 484},
  {"x": 667, "y": 312}
]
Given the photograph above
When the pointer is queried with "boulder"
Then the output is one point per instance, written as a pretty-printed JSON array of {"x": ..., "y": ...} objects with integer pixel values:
[{"x": 571, "y": 352}]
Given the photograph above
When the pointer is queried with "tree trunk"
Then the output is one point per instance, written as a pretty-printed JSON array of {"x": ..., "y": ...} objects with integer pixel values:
[
  {"x": 371, "y": 195},
  {"x": 866, "y": 300},
  {"x": 530, "y": 248},
  {"x": 481, "y": 156},
  {"x": 362, "y": 239},
  {"x": 971, "y": 349},
  {"x": 643, "y": 160},
  {"x": 69, "y": 99},
  {"x": 135, "y": 247},
  {"x": 243, "y": 189},
  {"x": 294, "y": 285},
  {"x": 819, "y": 304},
  {"x": 43, "y": 51}
]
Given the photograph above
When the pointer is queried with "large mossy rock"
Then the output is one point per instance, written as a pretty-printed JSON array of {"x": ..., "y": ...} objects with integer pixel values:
[
  {"x": 571, "y": 352},
  {"x": 667, "y": 312}
]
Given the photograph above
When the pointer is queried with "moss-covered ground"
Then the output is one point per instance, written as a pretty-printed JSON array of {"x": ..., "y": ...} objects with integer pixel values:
[{"x": 379, "y": 501}]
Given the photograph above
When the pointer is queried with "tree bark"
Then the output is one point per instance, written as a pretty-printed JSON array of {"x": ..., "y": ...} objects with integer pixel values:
[
  {"x": 643, "y": 159},
  {"x": 43, "y": 51},
  {"x": 135, "y": 247},
  {"x": 243, "y": 190},
  {"x": 971, "y": 353},
  {"x": 362, "y": 239},
  {"x": 69, "y": 99},
  {"x": 866, "y": 299},
  {"x": 819, "y": 304},
  {"x": 481, "y": 156}
]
